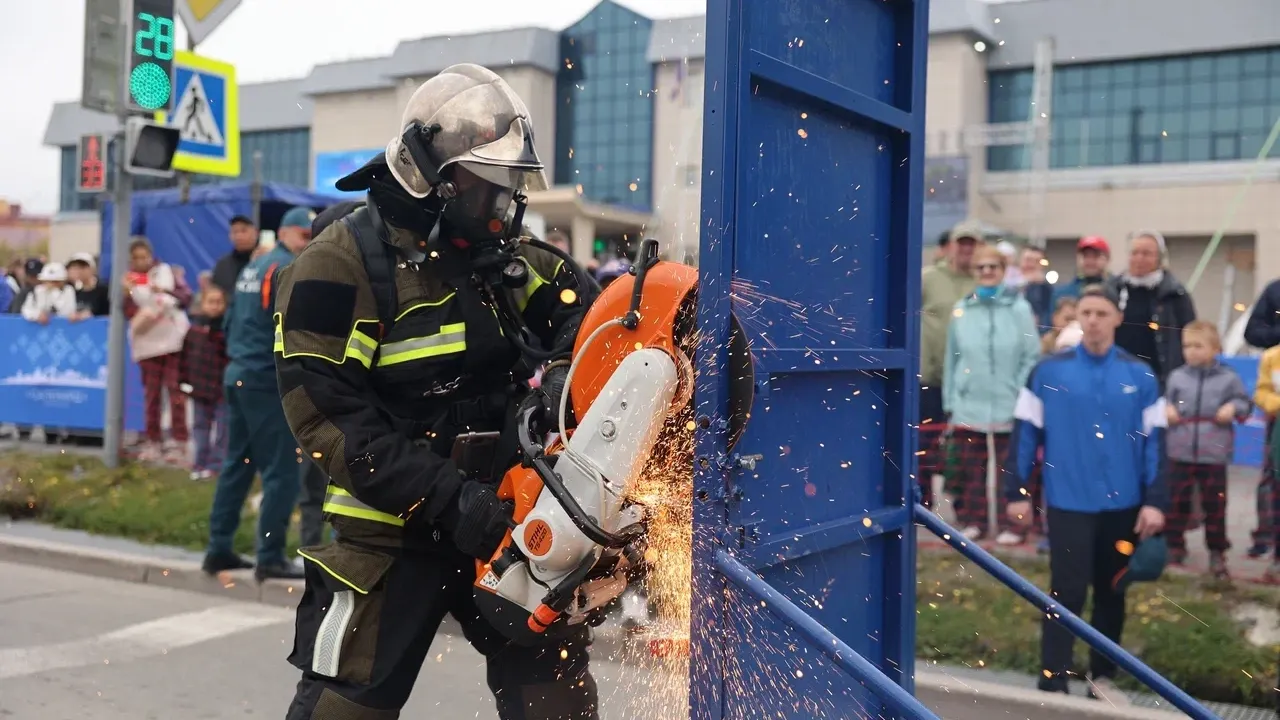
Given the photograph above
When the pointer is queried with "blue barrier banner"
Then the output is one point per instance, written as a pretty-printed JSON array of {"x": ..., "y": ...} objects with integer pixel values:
[{"x": 56, "y": 375}]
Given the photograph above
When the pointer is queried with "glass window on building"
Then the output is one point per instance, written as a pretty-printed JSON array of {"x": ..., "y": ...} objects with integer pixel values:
[
  {"x": 604, "y": 124},
  {"x": 1206, "y": 108}
]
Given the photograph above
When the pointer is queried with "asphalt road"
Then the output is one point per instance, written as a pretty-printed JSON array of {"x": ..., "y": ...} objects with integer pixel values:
[{"x": 74, "y": 647}]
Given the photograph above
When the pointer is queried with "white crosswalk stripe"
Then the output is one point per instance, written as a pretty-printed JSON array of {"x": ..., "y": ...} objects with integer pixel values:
[{"x": 143, "y": 640}]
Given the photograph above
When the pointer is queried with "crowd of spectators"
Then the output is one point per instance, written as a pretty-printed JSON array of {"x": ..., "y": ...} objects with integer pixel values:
[{"x": 1093, "y": 414}]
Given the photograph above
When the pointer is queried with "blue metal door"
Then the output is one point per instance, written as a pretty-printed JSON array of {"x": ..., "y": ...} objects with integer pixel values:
[{"x": 811, "y": 207}]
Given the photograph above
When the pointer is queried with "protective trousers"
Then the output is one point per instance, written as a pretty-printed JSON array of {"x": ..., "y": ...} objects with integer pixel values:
[
  {"x": 258, "y": 441},
  {"x": 366, "y": 622}
]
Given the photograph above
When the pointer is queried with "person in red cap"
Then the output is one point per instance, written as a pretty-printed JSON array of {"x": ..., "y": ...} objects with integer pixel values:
[{"x": 1092, "y": 256}]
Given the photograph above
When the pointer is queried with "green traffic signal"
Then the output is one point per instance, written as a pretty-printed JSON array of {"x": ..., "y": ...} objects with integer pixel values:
[
  {"x": 151, "y": 50},
  {"x": 149, "y": 86}
]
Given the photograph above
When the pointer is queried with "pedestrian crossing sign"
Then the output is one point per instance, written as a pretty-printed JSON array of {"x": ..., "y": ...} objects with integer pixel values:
[{"x": 206, "y": 113}]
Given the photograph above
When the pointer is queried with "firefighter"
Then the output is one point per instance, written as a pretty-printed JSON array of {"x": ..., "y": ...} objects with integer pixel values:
[{"x": 401, "y": 368}]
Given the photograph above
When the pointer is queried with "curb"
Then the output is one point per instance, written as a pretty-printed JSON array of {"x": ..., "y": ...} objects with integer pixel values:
[
  {"x": 958, "y": 698},
  {"x": 173, "y": 574}
]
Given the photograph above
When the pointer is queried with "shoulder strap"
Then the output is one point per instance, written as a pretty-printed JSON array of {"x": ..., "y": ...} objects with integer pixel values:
[{"x": 379, "y": 265}]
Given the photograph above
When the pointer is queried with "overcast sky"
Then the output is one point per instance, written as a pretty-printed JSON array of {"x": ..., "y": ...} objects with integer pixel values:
[{"x": 41, "y": 52}]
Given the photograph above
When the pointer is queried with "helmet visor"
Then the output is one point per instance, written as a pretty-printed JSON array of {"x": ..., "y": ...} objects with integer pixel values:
[
  {"x": 510, "y": 161},
  {"x": 481, "y": 209}
]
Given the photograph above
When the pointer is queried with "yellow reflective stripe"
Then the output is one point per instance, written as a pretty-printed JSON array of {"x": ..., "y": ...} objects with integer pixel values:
[
  {"x": 360, "y": 346},
  {"x": 451, "y": 339},
  {"x": 536, "y": 281},
  {"x": 419, "y": 306},
  {"x": 340, "y": 502},
  {"x": 335, "y": 575}
]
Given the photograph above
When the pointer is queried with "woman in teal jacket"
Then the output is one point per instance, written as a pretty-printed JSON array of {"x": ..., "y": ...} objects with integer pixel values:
[{"x": 992, "y": 345}]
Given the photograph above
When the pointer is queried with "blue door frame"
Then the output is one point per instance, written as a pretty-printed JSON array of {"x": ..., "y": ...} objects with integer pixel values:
[
  {"x": 804, "y": 533},
  {"x": 804, "y": 563}
]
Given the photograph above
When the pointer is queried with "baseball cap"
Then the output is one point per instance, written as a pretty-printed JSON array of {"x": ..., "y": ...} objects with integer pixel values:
[
  {"x": 32, "y": 267},
  {"x": 83, "y": 258},
  {"x": 241, "y": 219},
  {"x": 1095, "y": 243},
  {"x": 53, "y": 272},
  {"x": 971, "y": 229},
  {"x": 1146, "y": 564},
  {"x": 299, "y": 217}
]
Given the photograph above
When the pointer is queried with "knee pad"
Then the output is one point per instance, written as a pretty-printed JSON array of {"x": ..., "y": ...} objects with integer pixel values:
[{"x": 332, "y": 706}]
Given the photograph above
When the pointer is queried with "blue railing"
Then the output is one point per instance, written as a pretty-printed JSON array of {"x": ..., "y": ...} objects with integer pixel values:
[
  {"x": 1066, "y": 618},
  {"x": 891, "y": 693}
]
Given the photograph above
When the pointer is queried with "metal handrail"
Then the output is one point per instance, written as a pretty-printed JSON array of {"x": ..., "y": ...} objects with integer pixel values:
[
  {"x": 1081, "y": 629},
  {"x": 862, "y": 670}
]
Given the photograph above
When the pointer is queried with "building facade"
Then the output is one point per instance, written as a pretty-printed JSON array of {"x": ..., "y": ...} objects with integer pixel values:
[{"x": 1159, "y": 111}]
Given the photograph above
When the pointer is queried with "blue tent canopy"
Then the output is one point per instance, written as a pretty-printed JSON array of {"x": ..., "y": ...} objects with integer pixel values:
[{"x": 194, "y": 234}]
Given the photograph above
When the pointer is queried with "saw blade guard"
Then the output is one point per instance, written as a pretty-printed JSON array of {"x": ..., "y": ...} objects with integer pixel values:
[{"x": 659, "y": 300}]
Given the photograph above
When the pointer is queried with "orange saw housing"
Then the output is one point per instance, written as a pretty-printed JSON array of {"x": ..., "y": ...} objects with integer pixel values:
[{"x": 667, "y": 286}]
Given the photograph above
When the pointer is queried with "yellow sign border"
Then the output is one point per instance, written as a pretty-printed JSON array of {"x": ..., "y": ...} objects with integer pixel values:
[{"x": 230, "y": 165}]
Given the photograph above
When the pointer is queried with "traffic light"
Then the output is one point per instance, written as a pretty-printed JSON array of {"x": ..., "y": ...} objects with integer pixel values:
[
  {"x": 151, "y": 56},
  {"x": 91, "y": 164},
  {"x": 149, "y": 148}
]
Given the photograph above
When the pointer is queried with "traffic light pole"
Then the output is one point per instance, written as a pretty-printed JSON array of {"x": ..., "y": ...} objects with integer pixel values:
[{"x": 117, "y": 338}]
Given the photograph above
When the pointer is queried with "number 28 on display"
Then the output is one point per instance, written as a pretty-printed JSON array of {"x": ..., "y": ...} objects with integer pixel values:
[{"x": 157, "y": 30}]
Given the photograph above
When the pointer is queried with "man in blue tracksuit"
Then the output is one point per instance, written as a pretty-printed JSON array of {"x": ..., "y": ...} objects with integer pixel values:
[
  {"x": 258, "y": 436},
  {"x": 1099, "y": 415}
]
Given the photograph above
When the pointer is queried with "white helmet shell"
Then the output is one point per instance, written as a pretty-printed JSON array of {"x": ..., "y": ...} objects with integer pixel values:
[{"x": 482, "y": 125}]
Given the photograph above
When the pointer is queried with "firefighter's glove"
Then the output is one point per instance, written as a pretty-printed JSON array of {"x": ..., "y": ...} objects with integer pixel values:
[
  {"x": 552, "y": 387},
  {"x": 479, "y": 520},
  {"x": 544, "y": 401}
]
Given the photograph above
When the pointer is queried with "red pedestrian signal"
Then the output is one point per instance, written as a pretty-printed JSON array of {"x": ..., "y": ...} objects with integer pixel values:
[{"x": 92, "y": 164}]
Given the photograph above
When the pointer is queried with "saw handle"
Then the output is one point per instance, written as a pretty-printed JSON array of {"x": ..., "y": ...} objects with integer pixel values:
[
  {"x": 536, "y": 458},
  {"x": 646, "y": 257}
]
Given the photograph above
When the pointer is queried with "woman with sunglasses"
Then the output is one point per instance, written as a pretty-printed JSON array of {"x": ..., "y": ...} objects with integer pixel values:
[{"x": 992, "y": 345}]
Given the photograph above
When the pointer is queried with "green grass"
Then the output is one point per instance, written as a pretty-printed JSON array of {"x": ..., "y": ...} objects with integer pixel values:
[
  {"x": 153, "y": 505},
  {"x": 1181, "y": 627}
]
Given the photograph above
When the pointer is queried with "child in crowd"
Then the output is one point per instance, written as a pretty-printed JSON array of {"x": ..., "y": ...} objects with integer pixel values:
[
  {"x": 1266, "y": 537},
  {"x": 53, "y": 297},
  {"x": 1065, "y": 332},
  {"x": 1204, "y": 401},
  {"x": 1272, "y": 575},
  {"x": 204, "y": 358}
]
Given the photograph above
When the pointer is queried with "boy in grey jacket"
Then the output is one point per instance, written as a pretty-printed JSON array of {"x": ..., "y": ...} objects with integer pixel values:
[{"x": 1205, "y": 399}]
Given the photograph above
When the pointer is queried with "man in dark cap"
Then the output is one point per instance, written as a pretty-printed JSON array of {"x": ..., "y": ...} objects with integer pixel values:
[
  {"x": 258, "y": 436},
  {"x": 30, "y": 271},
  {"x": 244, "y": 240}
]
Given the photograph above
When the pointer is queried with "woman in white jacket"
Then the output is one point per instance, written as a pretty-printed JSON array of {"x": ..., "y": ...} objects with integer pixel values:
[
  {"x": 157, "y": 328},
  {"x": 53, "y": 297}
]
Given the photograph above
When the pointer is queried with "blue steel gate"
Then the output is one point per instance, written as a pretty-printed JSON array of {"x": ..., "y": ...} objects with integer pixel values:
[{"x": 811, "y": 204}]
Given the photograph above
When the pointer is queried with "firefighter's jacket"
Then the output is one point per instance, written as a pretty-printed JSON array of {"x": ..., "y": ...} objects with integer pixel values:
[{"x": 377, "y": 407}]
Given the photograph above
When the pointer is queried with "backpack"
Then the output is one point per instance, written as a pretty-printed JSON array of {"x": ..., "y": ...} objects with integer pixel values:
[{"x": 379, "y": 261}]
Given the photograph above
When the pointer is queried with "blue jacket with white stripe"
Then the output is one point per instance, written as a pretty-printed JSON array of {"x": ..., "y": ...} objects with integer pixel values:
[{"x": 1101, "y": 421}]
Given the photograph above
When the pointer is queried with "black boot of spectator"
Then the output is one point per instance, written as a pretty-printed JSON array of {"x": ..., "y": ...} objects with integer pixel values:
[
  {"x": 214, "y": 564},
  {"x": 1053, "y": 683}
]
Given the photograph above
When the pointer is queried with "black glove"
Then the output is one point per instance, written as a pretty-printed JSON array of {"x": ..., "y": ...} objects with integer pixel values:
[
  {"x": 479, "y": 520},
  {"x": 545, "y": 400}
]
